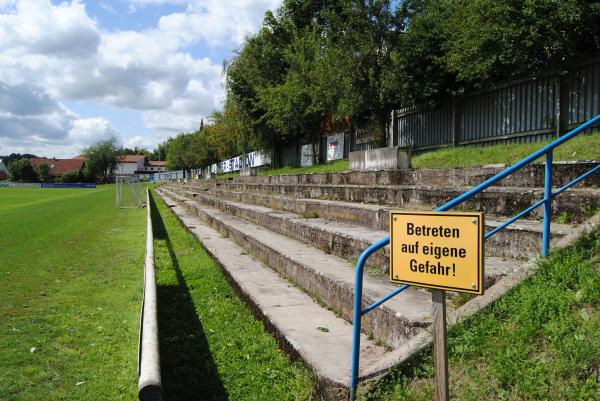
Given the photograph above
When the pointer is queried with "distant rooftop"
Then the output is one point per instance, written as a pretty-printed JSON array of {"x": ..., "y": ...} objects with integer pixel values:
[
  {"x": 59, "y": 166},
  {"x": 130, "y": 158}
]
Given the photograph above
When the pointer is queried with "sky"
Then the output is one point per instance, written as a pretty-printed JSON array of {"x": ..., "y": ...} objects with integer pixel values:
[{"x": 79, "y": 71}]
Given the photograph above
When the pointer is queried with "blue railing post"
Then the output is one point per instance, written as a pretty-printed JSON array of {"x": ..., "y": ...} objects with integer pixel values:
[
  {"x": 547, "y": 203},
  {"x": 358, "y": 311},
  {"x": 356, "y": 326}
]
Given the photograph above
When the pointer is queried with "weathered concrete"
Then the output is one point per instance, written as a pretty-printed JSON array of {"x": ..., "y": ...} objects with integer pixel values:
[
  {"x": 392, "y": 158},
  {"x": 324, "y": 276},
  {"x": 335, "y": 282},
  {"x": 327, "y": 277},
  {"x": 530, "y": 176},
  {"x": 520, "y": 240},
  {"x": 248, "y": 172},
  {"x": 289, "y": 313},
  {"x": 500, "y": 201}
]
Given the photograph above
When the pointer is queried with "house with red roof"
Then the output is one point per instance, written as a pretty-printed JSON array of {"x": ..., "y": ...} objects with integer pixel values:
[
  {"x": 155, "y": 166},
  {"x": 58, "y": 167},
  {"x": 130, "y": 164},
  {"x": 138, "y": 164}
]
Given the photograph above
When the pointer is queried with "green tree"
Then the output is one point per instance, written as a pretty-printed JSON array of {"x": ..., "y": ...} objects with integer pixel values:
[
  {"x": 101, "y": 160},
  {"x": 22, "y": 171},
  {"x": 497, "y": 39},
  {"x": 43, "y": 171},
  {"x": 184, "y": 152},
  {"x": 299, "y": 106},
  {"x": 160, "y": 152}
]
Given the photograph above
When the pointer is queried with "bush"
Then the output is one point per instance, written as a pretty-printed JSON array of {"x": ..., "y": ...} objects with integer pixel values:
[
  {"x": 72, "y": 177},
  {"x": 22, "y": 171},
  {"x": 44, "y": 173}
]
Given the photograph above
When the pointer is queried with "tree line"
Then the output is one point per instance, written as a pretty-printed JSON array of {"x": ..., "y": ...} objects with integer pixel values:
[
  {"x": 100, "y": 162},
  {"x": 318, "y": 63}
]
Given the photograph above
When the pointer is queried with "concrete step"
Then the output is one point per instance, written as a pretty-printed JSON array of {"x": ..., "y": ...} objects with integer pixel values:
[
  {"x": 303, "y": 328},
  {"x": 529, "y": 176},
  {"x": 324, "y": 276},
  {"x": 328, "y": 277},
  {"x": 579, "y": 203},
  {"x": 355, "y": 225},
  {"x": 321, "y": 296}
]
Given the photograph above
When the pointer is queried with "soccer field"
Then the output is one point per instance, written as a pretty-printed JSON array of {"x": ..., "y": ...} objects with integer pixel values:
[{"x": 70, "y": 291}]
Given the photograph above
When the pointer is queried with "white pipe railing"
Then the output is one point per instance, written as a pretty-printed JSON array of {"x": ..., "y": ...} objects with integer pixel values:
[{"x": 149, "y": 382}]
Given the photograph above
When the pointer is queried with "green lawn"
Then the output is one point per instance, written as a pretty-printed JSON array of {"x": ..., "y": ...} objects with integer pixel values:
[
  {"x": 540, "y": 342},
  {"x": 332, "y": 167},
  {"x": 70, "y": 290},
  {"x": 212, "y": 348},
  {"x": 582, "y": 147}
]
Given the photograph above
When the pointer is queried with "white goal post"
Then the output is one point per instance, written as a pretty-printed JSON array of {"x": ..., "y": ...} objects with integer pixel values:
[{"x": 130, "y": 191}]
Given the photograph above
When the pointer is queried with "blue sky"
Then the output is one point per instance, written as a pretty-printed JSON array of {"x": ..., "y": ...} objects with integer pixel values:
[{"x": 75, "y": 72}]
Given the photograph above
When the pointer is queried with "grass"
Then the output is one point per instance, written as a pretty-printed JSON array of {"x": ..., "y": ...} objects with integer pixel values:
[
  {"x": 332, "y": 167},
  {"x": 540, "y": 342},
  {"x": 210, "y": 342},
  {"x": 582, "y": 147},
  {"x": 70, "y": 291}
]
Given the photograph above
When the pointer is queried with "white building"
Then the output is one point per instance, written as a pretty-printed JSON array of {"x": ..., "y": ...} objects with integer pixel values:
[
  {"x": 130, "y": 164},
  {"x": 155, "y": 166}
]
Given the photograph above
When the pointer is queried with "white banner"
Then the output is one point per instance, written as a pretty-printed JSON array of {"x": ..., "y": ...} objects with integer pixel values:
[
  {"x": 306, "y": 154},
  {"x": 335, "y": 146},
  {"x": 253, "y": 159},
  {"x": 20, "y": 185}
]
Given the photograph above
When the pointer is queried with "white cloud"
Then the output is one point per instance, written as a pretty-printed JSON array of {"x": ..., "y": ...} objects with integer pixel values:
[
  {"x": 63, "y": 54},
  {"x": 38, "y": 27},
  {"x": 140, "y": 142},
  {"x": 32, "y": 121},
  {"x": 218, "y": 22}
]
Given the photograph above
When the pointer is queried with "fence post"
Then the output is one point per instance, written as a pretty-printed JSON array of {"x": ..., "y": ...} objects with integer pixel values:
[
  {"x": 394, "y": 141},
  {"x": 562, "y": 120},
  {"x": 455, "y": 128},
  {"x": 547, "y": 203}
]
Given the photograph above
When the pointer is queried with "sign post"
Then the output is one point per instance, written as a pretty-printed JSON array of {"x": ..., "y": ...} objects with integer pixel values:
[
  {"x": 440, "y": 345},
  {"x": 442, "y": 251}
]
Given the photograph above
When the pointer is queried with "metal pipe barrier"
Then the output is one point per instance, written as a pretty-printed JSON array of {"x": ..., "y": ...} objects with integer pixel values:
[
  {"x": 149, "y": 382},
  {"x": 547, "y": 152}
]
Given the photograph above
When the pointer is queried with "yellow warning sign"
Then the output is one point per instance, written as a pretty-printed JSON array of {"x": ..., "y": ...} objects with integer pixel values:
[{"x": 442, "y": 250}]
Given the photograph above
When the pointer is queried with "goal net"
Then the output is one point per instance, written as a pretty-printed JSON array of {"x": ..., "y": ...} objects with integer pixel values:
[{"x": 130, "y": 192}]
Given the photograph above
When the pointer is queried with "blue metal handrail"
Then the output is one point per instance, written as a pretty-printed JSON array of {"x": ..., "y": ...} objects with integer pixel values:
[{"x": 546, "y": 151}]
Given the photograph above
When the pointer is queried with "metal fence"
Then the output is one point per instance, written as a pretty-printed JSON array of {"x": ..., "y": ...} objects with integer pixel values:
[
  {"x": 349, "y": 140},
  {"x": 523, "y": 111}
]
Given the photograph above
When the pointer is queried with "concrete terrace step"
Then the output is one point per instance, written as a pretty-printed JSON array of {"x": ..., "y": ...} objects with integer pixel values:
[
  {"x": 345, "y": 240},
  {"x": 402, "y": 323},
  {"x": 302, "y": 327},
  {"x": 346, "y": 236},
  {"x": 529, "y": 176},
  {"x": 324, "y": 276},
  {"x": 500, "y": 201}
]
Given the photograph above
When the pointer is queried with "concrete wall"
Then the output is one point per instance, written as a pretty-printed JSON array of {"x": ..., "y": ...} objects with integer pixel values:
[{"x": 380, "y": 159}]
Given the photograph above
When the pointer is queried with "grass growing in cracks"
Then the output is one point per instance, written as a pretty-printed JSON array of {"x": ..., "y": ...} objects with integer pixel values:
[
  {"x": 540, "y": 342},
  {"x": 212, "y": 347}
]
